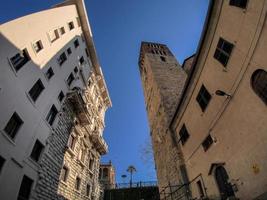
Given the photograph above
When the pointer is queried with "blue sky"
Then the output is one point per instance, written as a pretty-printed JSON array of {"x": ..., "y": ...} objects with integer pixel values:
[{"x": 118, "y": 27}]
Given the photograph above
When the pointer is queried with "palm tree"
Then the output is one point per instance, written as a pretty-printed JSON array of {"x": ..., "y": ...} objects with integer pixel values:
[{"x": 131, "y": 169}]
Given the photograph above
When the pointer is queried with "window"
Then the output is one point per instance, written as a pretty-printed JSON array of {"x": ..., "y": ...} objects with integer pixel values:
[
  {"x": 78, "y": 183},
  {"x": 2, "y": 162},
  {"x": 75, "y": 70},
  {"x": 81, "y": 60},
  {"x": 259, "y": 84},
  {"x": 91, "y": 163},
  {"x": 53, "y": 35},
  {"x": 49, "y": 73},
  {"x": 69, "y": 51},
  {"x": 200, "y": 189},
  {"x": 37, "y": 150},
  {"x": 78, "y": 21},
  {"x": 64, "y": 173},
  {"x": 207, "y": 142},
  {"x": 163, "y": 59},
  {"x": 105, "y": 173},
  {"x": 25, "y": 188},
  {"x": 20, "y": 59},
  {"x": 184, "y": 135},
  {"x": 203, "y": 98},
  {"x": 76, "y": 43},
  {"x": 62, "y": 30},
  {"x": 71, "y": 142},
  {"x": 223, "y": 51},
  {"x": 36, "y": 90},
  {"x": 61, "y": 96},
  {"x": 82, "y": 155},
  {"x": 38, "y": 46},
  {"x": 88, "y": 190},
  {"x": 13, "y": 125},
  {"x": 51, "y": 116},
  {"x": 71, "y": 25},
  {"x": 87, "y": 52},
  {"x": 62, "y": 58},
  {"x": 70, "y": 79},
  {"x": 239, "y": 3}
]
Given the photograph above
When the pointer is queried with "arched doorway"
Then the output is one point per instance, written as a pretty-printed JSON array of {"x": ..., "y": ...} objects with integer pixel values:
[{"x": 224, "y": 186}]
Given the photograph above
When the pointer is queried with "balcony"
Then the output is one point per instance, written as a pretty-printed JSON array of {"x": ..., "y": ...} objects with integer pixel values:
[
  {"x": 99, "y": 143},
  {"x": 78, "y": 102}
]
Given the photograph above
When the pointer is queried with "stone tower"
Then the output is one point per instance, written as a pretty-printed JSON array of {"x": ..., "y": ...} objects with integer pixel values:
[{"x": 163, "y": 80}]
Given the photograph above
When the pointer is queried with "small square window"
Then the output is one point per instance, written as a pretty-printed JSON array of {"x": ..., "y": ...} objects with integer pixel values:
[
  {"x": 2, "y": 162},
  {"x": 76, "y": 70},
  {"x": 53, "y": 35},
  {"x": 76, "y": 43},
  {"x": 13, "y": 125},
  {"x": 61, "y": 96},
  {"x": 69, "y": 51},
  {"x": 62, "y": 58},
  {"x": 49, "y": 73},
  {"x": 38, "y": 46},
  {"x": 25, "y": 188},
  {"x": 64, "y": 173},
  {"x": 70, "y": 79},
  {"x": 62, "y": 30},
  {"x": 239, "y": 3},
  {"x": 81, "y": 60},
  {"x": 203, "y": 98},
  {"x": 184, "y": 135},
  {"x": 20, "y": 59},
  {"x": 207, "y": 142},
  {"x": 51, "y": 116},
  {"x": 223, "y": 51},
  {"x": 37, "y": 150},
  {"x": 71, "y": 25},
  {"x": 163, "y": 59},
  {"x": 78, "y": 183},
  {"x": 36, "y": 90}
]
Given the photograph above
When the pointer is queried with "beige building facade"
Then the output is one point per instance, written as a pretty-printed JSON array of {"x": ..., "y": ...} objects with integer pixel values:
[
  {"x": 53, "y": 103},
  {"x": 219, "y": 121},
  {"x": 107, "y": 175}
]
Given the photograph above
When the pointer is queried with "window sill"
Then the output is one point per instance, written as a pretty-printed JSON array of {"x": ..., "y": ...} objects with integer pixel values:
[
  {"x": 8, "y": 138},
  {"x": 64, "y": 183}
]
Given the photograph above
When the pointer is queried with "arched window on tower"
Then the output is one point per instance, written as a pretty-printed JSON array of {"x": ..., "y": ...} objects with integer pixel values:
[
  {"x": 259, "y": 84},
  {"x": 105, "y": 173}
]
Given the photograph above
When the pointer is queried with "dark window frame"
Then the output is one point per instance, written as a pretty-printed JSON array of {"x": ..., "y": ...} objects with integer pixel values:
[
  {"x": 64, "y": 177},
  {"x": 36, "y": 90},
  {"x": 78, "y": 181},
  {"x": 2, "y": 163},
  {"x": 61, "y": 96},
  {"x": 71, "y": 25},
  {"x": 38, "y": 46},
  {"x": 13, "y": 125},
  {"x": 62, "y": 58},
  {"x": 163, "y": 59},
  {"x": 62, "y": 30},
  {"x": 20, "y": 59},
  {"x": 37, "y": 151},
  {"x": 239, "y": 3},
  {"x": 88, "y": 190},
  {"x": 81, "y": 60},
  {"x": 70, "y": 79},
  {"x": 223, "y": 51},
  {"x": 49, "y": 73},
  {"x": 207, "y": 142},
  {"x": 25, "y": 188},
  {"x": 76, "y": 43},
  {"x": 203, "y": 98},
  {"x": 184, "y": 134},
  {"x": 52, "y": 114},
  {"x": 200, "y": 189},
  {"x": 258, "y": 83},
  {"x": 69, "y": 51}
]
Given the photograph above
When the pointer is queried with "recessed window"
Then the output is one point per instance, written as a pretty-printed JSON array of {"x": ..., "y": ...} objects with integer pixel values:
[
  {"x": 64, "y": 173},
  {"x": 207, "y": 142},
  {"x": 69, "y": 51},
  {"x": 184, "y": 135},
  {"x": 72, "y": 142},
  {"x": 239, "y": 3},
  {"x": 62, "y": 30},
  {"x": 87, "y": 52},
  {"x": 20, "y": 59},
  {"x": 163, "y": 59},
  {"x": 25, "y": 188},
  {"x": 70, "y": 79},
  {"x": 203, "y": 98},
  {"x": 76, "y": 43},
  {"x": 51, "y": 116},
  {"x": 36, "y": 90},
  {"x": 76, "y": 70},
  {"x": 2, "y": 162},
  {"x": 38, "y": 46},
  {"x": 82, "y": 155},
  {"x": 78, "y": 21},
  {"x": 71, "y": 25},
  {"x": 53, "y": 35},
  {"x": 88, "y": 190},
  {"x": 259, "y": 84},
  {"x": 49, "y": 73},
  {"x": 200, "y": 189},
  {"x": 223, "y": 51},
  {"x": 61, "y": 96},
  {"x": 37, "y": 150},
  {"x": 78, "y": 183},
  {"x": 91, "y": 163},
  {"x": 81, "y": 60},
  {"x": 62, "y": 58},
  {"x": 13, "y": 125}
]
